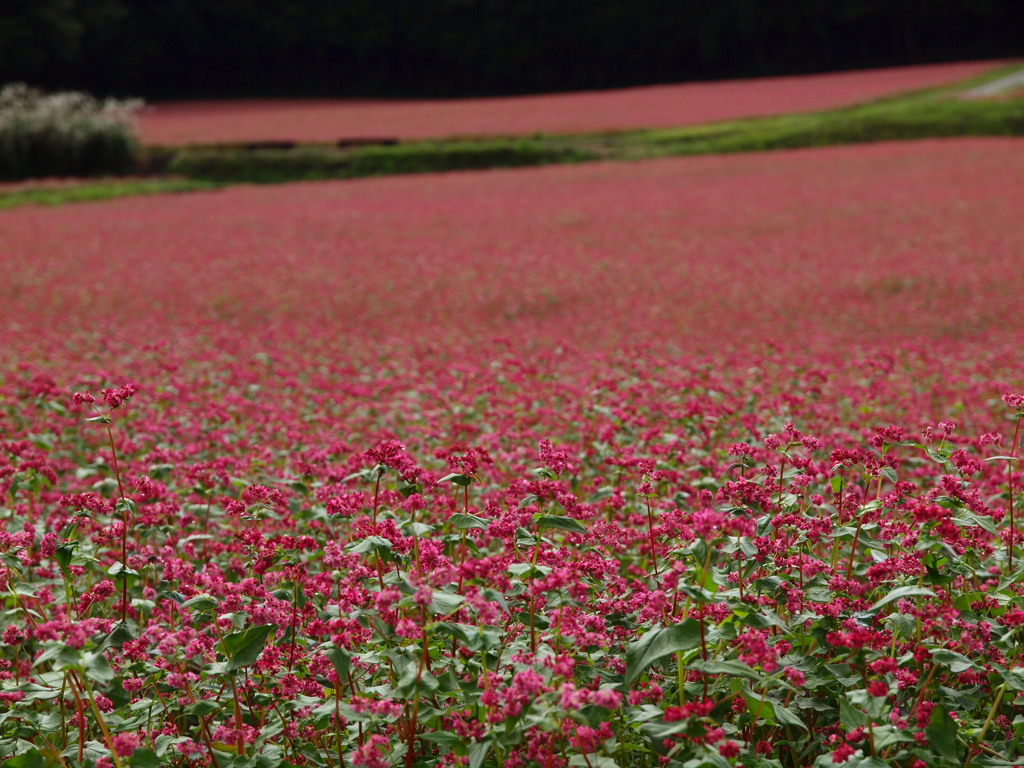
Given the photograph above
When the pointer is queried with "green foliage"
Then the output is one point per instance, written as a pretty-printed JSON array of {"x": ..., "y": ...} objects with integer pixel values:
[
  {"x": 97, "y": 190},
  {"x": 318, "y": 162},
  {"x": 912, "y": 118},
  {"x": 63, "y": 134},
  {"x": 658, "y": 643}
]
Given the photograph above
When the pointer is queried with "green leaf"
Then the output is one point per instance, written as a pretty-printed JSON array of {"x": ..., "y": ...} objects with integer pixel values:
[
  {"x": 941, "y": 733},
  {"x": 466, "y": 634},
  {"x": 60, "y": 656},
  {"x": 787, "y": 716},
  {"x": 203, "y": 707},
  {"x": 1013, "y": 677},
  {"x": 201, "y": 603},
  {"x": 899, "y": 593},
  {"x": 478, "y": 753},
  {"x": 592, "y": 761},
  {"x": 117, "y": 637},
  {"x": 443, "y": 603},
  {"x": 31, "y": 759},
  {"x": 760, "y": 708},
  {"x": 560, "y": 523},
  {"x": 120, "y": 571},
  {"x": 97, "y": 669},
  {"x": 658, "y": 643},
  {"x": 34, "y": 692},
  {"x": 244, "y": 648},
  {"x": 956, "y": 662},
  {"x": 985, "y": 523},
  {"x": 442, "y": 737},
  {"x": 728, "y": 667},
  {"x": 461, "y": 522},
  {"x": 850, "y": 716},
  {"x": 458, "y": 479},
  {"x": 377, "y": 544},
  {"x": 341, "y": 659},
  {"x": 64, "y": 553},
  {"x": 144, "y": 758},
  {"x": 408, "y": 489},
  {"x": 408, "y": 685},
  {"x": 940, "y": 456}
]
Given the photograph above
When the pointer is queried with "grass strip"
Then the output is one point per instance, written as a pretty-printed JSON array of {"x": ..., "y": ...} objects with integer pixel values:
[
  {"x": 97, "y": 190},
  {"x": 883, "y": 121},
  {"x": 327, "y": 162}
]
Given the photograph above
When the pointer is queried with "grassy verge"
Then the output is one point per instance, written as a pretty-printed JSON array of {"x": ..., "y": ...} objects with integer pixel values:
[
  {"x": 97, "y": 190},
  {"x": 885, "y": 121},
  {"x": 326, "y": 162}
]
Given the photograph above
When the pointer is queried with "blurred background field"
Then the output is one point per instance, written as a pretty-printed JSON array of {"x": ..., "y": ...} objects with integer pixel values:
[{"x": 666, "y": 106}]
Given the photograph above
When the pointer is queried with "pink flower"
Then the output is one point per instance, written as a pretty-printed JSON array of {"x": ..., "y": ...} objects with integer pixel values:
[
  {"x": 729, "y": 749},
  {"x": 607, "y": 698},
  {"x": 125, "y": 743},
  {"x": 371, "y": 754},
  {"x": 12, "y": 635},
  {"x": 115, "y": 397},
  {"x": 842, "y": 753},
  {"x": 407, "y": 628},
  {"x": 795, "y": 677},
  {"x": 1014, "y": 401}
]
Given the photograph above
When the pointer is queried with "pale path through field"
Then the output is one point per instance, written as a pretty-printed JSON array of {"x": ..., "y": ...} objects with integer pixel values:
[{"x": 660, "y": 106}]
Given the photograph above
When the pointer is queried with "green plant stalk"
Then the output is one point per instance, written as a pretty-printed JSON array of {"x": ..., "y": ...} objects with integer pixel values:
[
  {"x": 337, "y": 721},
  {"x": 376, "y": 496},
  {"x": 533, "y": 598},
  {"x": 63, "y": 716},
  {"x": 984, "y": 728},
  {"x": 87, "y": 689},
  {"x": 410, "y": 754},
  {"x": 52, "y": 750},
  {"x": 239, "y": 743},
  {"x": 1009, "y": 478},
  {"x": 462, "y": 542},
  {"x": 124, "y": 523},
  {"x": 650, "y": 531},
  {"x": 680, "y": 672},
  {"x": 853, "y": 547}
]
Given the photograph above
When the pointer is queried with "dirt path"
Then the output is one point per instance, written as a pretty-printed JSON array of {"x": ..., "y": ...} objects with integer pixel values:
[{"x": 994, "y": 88}]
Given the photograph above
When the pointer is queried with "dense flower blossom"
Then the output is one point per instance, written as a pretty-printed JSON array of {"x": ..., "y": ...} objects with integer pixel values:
[{"x": 258, "y": 559}]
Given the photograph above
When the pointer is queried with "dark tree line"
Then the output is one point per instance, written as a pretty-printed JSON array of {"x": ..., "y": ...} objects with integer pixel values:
[{"x": 163, "y": 48}]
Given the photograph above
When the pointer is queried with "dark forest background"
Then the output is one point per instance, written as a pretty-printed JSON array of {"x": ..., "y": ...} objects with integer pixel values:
[{"x": 179, "y": 48}]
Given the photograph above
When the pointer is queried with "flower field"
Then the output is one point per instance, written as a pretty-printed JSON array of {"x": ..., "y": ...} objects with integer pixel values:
[
  {"x": 663, "y": 106},
  {"x": 694, "y": 462}
]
